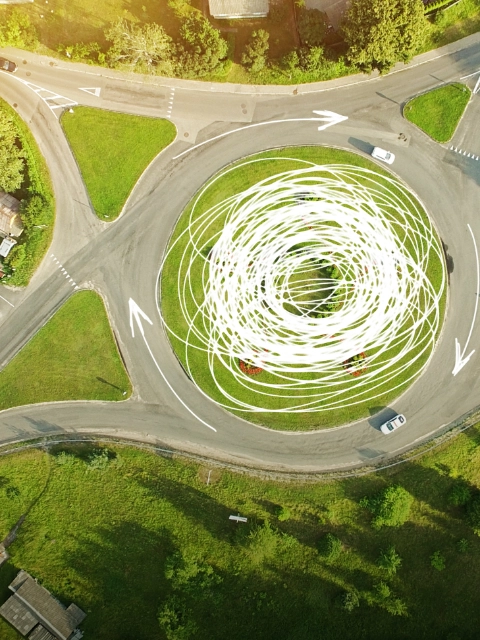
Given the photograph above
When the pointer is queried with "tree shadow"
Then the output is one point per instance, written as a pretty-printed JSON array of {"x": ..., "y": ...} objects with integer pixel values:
[{"x": 121, "y": 568}]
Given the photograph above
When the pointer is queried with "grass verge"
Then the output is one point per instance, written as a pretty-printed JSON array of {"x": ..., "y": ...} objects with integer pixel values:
[
  {"x": 122, "y": 530},
  {"x": 73, "y": 357},
  {"x": 112, "y": 151},
  {"x": 25, "y": 257},
  {"x": 355, "y": 399},
  {"x": 438, "y": 112}
]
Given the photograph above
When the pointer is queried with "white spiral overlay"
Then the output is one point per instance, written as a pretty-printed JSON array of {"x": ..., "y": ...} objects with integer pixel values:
[{"x": 260, "y": 302}]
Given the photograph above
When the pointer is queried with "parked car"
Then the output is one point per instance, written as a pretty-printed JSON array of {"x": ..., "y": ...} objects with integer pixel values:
[
  {"x": 394, "y": 423},
  {"x": 384, "y": 156},
  {"x": 7, "y": 65}
]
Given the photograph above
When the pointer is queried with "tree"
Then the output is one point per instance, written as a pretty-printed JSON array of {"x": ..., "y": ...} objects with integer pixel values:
[
  {"x": 380, "y": 33},
  {"x": 312, "y": 27},
  {"x": 202, "y": 48},
  {"x": 389, "y": 560},
  {"x": 390, "y": 508},
  {"x": 11, "y": 156},
  {"x": 255, "y": 54},
  {"x": 18, "y": 31},
  {"x": 330, "y": 546},
  {"x": 145, "y": 48}
]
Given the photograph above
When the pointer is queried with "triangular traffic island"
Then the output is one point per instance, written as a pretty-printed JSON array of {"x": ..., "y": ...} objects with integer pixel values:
[
  {"x": 73, "y": 357},
  {"x": 112, "y": 151}
]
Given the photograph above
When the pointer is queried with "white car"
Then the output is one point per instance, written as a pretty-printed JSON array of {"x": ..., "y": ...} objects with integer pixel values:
[
  {"x": 394, "y": 423},
  {"x": 384, "y": 156}
]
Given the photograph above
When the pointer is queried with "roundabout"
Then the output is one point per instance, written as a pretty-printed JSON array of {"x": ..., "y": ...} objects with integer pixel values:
[{"x": 302, "y": 286}]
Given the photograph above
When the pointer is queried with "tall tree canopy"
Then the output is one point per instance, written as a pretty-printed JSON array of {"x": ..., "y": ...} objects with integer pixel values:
[
  {"x": 202, "y": 48},
  {"x": 380, "y": 33},
  {"x": 11, "y": 157},
  {"x": 145, "y": 48}
]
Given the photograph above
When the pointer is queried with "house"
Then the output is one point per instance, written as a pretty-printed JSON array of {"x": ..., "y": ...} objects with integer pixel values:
[
  {"x": 10, "y": 222},
  {"x": 226, "y": 9},
  {"x": 37, "y": 615}
]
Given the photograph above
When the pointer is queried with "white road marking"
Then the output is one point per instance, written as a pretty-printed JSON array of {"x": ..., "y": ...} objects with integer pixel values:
[
  {"x": 93, "y": 91},
  {"x": 64, "y": 271},
  {"x": 462, "y": 152},
  {"x": 170, "y": 106},
  {"x": 49, "y": 97},
  {"x": 7, "y": 301}
]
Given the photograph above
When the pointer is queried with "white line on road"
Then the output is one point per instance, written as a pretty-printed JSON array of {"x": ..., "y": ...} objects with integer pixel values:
[
  {"x": 6, "y": 301},
  {"x": 64, "y": 271},
  {"x": 462, "y": 152}
]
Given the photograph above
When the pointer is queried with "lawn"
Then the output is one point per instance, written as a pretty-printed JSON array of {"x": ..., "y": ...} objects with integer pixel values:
[
  {"x": 140, "y": 533},
  {"x": 73, "y": 357},
  {"x": 454, "y": 23},
  {"x": 438, "y": 112},
  {"x": 354, "y": 397},
  {"x": 112, "y": 151},
  {"x": 34, "y": 241}
]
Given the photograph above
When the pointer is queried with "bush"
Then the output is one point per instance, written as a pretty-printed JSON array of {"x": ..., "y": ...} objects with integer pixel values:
[
  {"x": 390, "y": 508},
  {"x": 382, "y": 590},
  {"x": 330, "y": 546},
  {"x": 460, "y": 494},
  {"x": 463, "y": 545},
  {"x": 349, "y": 600},
  {"x": 473, "y": 513},
  {"x": 437, "y": 561},
  {"x": 312, "y": 27},
  {"x": 98, "y": 459},
  {"x": 283, "y": 514},
  {"x": 389, "y": 560}
]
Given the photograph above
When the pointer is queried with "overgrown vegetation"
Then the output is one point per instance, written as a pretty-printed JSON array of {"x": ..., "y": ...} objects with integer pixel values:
[
  {"x": 24, "y": 173},
  {"x": 438, "y": 112},
  {"x": 73, "y": 357},
  {"x": 112, "y": 151},
  {"x": 115, "y": 529}
]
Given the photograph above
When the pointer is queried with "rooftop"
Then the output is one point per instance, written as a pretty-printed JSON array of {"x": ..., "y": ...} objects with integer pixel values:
[{"x": 238, "y": 8}]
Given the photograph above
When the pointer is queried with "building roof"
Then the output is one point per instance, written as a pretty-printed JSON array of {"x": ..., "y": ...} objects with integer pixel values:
[
  {"x": 238, "y": 8},
  {"x": 10, "y": 221},
  {"x": 47, "y": 610},
  {"x": 40, "y": 633},
  {"x": 15, "y": 612}
]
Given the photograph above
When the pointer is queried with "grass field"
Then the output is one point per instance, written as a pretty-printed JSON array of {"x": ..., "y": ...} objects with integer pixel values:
[
  {"x": 142, "y": 533},
  {"x": 176, "y": 272},
  {"x": 438, "y": 112},
  {"x": 112, "y": 151},
  {"x": 73, "y": 357}
]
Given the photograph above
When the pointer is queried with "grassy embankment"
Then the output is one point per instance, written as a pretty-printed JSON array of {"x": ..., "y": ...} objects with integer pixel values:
[
  {"x": 175, "y": 273},
  {"x": 134, "y": 532},
  {"x": 438, "y": 112},
  {"x": 112, "y": 151},
  {"x": 73, "y": 357},
  {"x": 25, "y": 257}
]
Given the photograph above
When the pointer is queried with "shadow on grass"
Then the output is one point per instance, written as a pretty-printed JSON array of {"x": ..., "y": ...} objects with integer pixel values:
[{"x": 121, "y": 569}]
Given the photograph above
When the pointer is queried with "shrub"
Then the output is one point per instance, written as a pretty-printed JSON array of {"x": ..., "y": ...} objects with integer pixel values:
[
  {"x": 459, "y": 495},
  {"x": 389, "y": 560},
  {"x": 283, "y": 514},
  {"x": 98, "y": 459},
  {"x": 473, "y": 512},
  {"x": 349, "y": 600},
  {"x": 396, "y": 607},
  {"x": 65, "y": 459},
  {"x": 390, "y": 508},
  {"x": 382, "y": 590},
  {"x": 330, "y": 546},
  {"x": 437, "y": 561},
  {"x": 463, "y": 545}
]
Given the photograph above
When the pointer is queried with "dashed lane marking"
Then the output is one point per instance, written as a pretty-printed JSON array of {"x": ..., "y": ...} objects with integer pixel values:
[
  {"x": 462, "y": 152},
  {"x": 170, "y": 102},
  {"x": 7, "y": 301},
  {"x": 64, "y": 271}
]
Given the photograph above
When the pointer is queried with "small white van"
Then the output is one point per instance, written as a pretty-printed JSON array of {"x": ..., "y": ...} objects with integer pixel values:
[{"x": 384, "y": 156}]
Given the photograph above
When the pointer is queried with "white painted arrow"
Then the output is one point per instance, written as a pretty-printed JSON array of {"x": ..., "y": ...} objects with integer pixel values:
[
  {"x": 460, "y": 358},
  {"x": 330, "y": 118},
  {"x": 477, "y": 85},
  {"x": 333, "y": 118},
  {"x": 136, "y": 315},
  {"x": 94, "y": 91}
]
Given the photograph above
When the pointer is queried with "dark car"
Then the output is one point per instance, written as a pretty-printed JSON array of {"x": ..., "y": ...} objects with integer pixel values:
[{"x": 7, "y": 65}]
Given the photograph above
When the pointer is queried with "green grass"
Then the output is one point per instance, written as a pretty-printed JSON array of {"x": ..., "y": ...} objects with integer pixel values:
[
  {"x": 438, "y": 112},
  {"x": 113, "y": 540},
  {"x": 36, "y": 182},
  {"x": 73, "y": 357},
  {"x": 196, "y": 360},
  {"x": 112, "y": 151},
  {"x": 454, "y": 23}
]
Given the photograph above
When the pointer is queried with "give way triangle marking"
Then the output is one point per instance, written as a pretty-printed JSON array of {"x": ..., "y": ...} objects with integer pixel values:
[{"x": 94, "y": 91}]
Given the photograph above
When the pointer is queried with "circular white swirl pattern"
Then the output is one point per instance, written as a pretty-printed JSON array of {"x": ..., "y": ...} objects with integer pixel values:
[{"x": 300, "y": 273}]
